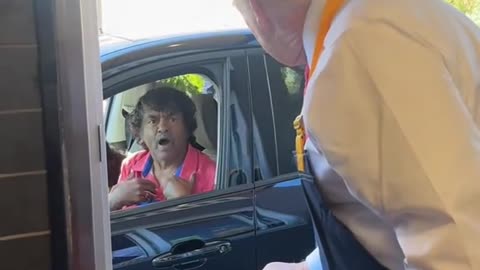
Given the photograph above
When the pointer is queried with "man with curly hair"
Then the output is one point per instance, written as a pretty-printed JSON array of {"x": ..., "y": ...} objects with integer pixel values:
[{"x": 163, "y": 122}]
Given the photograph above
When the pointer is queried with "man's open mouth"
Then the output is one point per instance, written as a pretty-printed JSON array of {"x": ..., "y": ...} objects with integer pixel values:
[{"x": 163, "y": 141}]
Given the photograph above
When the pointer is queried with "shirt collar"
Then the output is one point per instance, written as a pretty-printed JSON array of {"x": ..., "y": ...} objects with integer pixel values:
[
  {"x": 311, "y": 25},
  {"x": 145, "y": 162}
]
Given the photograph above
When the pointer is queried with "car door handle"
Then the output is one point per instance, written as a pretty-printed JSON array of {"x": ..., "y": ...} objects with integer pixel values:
[{"x": 193, "y": 258}]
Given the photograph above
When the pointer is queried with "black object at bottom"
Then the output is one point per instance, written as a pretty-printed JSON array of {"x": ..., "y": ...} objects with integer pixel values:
[{"x": 338, "y": 247}]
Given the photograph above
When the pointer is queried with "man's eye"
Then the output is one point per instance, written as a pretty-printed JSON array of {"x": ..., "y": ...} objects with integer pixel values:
[
  {"x": 151, "y": 121},
  {"x": 173, "y": 118}
]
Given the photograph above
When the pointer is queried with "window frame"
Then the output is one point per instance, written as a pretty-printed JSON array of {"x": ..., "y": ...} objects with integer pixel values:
[
  {"x": 267, "y": 109},
  {"x": 131, "y": 77},
  {"x": 277, "y": 174},
  {"x": 275, "y": 117}
]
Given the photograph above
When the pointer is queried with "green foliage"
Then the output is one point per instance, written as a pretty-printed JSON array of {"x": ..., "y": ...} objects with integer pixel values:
[
  {"x": 292, "y": 80},
  {"x": 466, "y": 6},
  {"x": 192, "y": 84},
  {"x": 471, "y": 8}
]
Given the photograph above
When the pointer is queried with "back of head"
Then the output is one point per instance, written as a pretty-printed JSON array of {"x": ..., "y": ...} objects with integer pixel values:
[{"x": 278, "y": 26}]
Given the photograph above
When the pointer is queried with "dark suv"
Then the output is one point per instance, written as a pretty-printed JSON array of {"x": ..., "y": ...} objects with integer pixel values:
[{"x": 246, "y": 104}]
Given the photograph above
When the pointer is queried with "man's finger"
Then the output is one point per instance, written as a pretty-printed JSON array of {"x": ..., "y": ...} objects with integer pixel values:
[
  {"x": 149, "y": 195},
  {"x": 147, "y": 185}
]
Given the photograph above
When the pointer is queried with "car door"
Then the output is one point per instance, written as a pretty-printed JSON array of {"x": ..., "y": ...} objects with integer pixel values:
[
  {"x": 284, "y": 229},
  {"x": 214, "y": 230}
]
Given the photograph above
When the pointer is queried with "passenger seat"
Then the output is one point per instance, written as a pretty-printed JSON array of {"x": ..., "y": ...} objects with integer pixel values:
[{"x": 207, "y": 115}]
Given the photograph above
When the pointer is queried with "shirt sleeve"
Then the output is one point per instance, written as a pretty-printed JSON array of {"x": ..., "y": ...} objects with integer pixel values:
[
  {"x": 125, "y": 170},
  {"x": 209, "y": 177},
  {"x": 385, "y": 111}
]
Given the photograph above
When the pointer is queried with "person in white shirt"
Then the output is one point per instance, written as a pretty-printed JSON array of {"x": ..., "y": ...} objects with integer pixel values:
[{"x": 392, "y": 113}]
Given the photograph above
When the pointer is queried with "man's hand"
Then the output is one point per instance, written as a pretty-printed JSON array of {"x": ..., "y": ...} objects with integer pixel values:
[
  {"x": 129, "y": 192},
  {"x": 175, "y": 187},
  {"x": 286, "y": 266}
]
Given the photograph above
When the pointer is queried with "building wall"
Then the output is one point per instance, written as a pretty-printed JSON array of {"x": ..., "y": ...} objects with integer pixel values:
[{"x": 24, "y": 225}]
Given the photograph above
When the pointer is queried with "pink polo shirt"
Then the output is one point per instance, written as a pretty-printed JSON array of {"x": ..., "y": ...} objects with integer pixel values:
[{"x": 194, "y": 162}]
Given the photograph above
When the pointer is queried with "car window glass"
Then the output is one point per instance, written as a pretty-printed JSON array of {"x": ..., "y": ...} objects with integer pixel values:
[
  {"x": 239, "y": 157},
  {"x": 199, "y": 162},
  {"x": 266, "y": 165},
  {"x": 277, "y": 99},
  {"x": 286, "y": 87}
]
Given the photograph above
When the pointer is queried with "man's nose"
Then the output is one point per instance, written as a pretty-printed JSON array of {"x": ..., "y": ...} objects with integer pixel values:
[{"x": 162, "y": 125}]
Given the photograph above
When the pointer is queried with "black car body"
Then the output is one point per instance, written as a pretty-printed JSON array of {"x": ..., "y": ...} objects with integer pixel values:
[{"x": 258, "y": 213}]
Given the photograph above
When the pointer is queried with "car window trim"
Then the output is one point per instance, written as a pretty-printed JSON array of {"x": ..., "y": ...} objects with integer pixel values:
[
  {"x": 249, "y": 114},
  {"x": 283, "y": 178},
  {"x": 131, "y": 70},
  {"x": 185, "y": 200},
  {"x": 272, "y": 111},
  {"x": 137, "y": 79},
  {"x": 164, "y": 68},
  {"x": 261, "y": 52}
]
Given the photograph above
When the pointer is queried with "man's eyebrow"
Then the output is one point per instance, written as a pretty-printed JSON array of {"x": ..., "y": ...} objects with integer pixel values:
[{"x": 151, "y": 115}]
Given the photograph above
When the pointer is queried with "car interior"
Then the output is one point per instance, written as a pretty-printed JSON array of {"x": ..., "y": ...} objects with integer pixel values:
[
  {"x": 205, "y": 95},
  {"x": 249, "y": 146},
  {"x": 197, "y": 86}
]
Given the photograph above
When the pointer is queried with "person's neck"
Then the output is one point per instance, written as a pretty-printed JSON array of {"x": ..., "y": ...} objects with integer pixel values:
[{"x": 170, "y": 164}]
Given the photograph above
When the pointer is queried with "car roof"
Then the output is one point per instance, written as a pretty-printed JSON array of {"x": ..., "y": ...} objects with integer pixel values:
[{"x": 116, "y": 51}]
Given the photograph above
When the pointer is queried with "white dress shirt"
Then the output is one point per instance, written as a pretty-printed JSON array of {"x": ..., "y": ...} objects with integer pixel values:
[{"x": 393, "y": 112}]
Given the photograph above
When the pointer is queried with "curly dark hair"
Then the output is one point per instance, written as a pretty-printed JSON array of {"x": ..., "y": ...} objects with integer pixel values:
[{"x": 166, "y": 100}]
